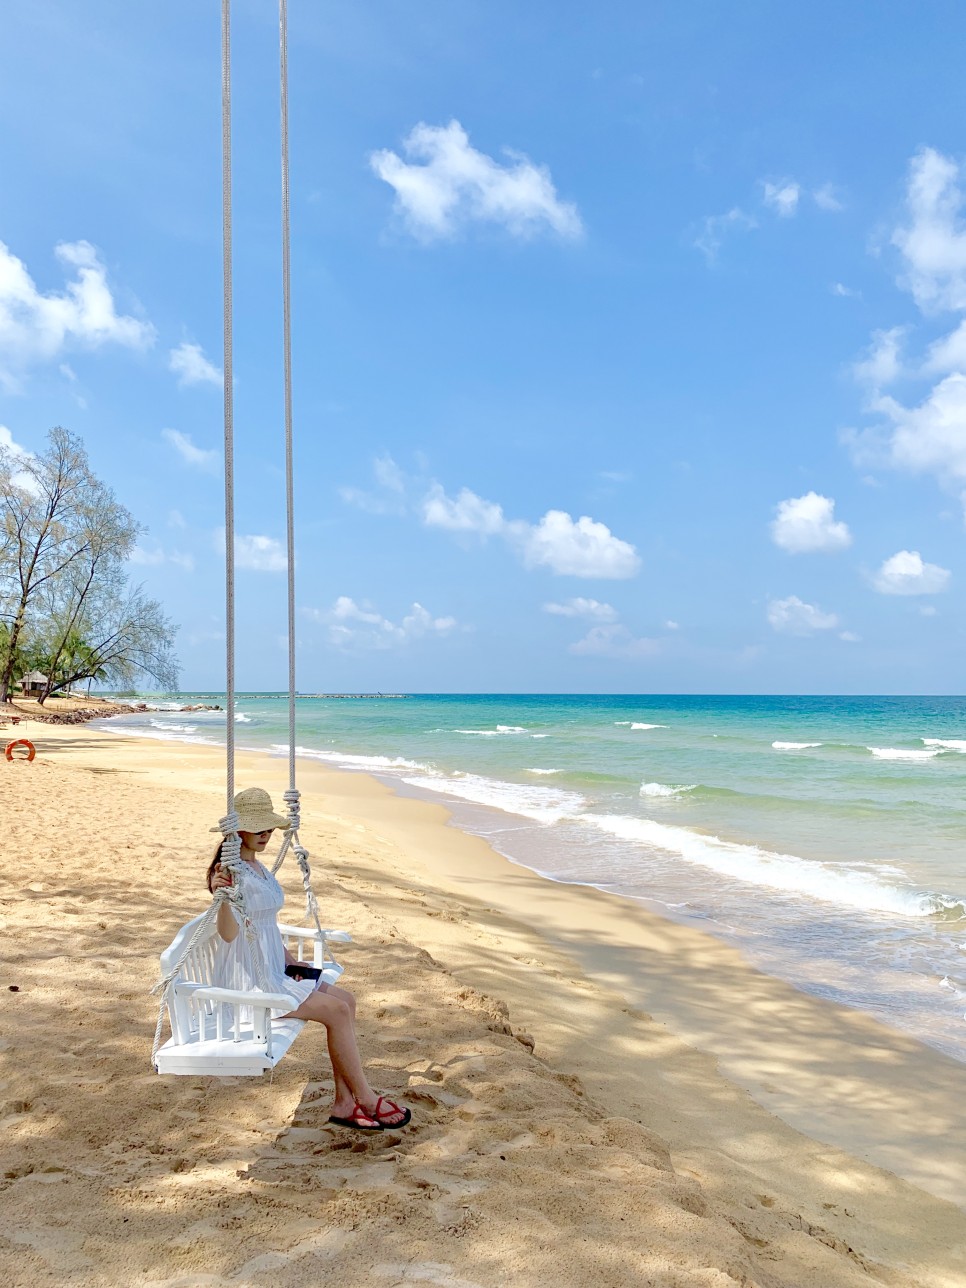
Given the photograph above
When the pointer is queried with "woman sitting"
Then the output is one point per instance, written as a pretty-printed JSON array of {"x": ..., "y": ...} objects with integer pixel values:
[{"x": 356, "y": 1104}]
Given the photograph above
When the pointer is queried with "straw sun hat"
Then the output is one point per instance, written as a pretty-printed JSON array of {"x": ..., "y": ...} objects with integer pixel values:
[{"x": 255, "y": 813}]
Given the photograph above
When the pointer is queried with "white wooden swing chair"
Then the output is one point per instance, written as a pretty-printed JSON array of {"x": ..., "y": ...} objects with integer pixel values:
[{"x": 223, "y": 1032}]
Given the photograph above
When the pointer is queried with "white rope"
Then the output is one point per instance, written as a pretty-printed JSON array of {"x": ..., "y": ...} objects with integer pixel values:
[
  {"x": 229, "y": 408},
  {"x": 291, "y": 796},
  {"x": 287, "y": 363}
]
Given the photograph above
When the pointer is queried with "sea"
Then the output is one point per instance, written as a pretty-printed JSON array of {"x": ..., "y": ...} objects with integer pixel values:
[{"x": 825, "y": 837}]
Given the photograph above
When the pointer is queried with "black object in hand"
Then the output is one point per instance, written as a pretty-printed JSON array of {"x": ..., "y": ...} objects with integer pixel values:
[{"x": 298, "y": 971}]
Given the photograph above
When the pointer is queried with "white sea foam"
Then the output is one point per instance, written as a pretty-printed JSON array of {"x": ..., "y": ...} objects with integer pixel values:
[
  {"x": 794, "y": 746},
  {"x": 904, "y": 753},
  {"x": 351, "y": 760},
  {"x": 500, "y": 729},
  {"x": 542, "y": 771},
  {"x": 241, "y": 718},
  {"x": 172, "y": 727},
  {"x": 750, "y": 864},
  {"x": 163, "y": 735},
  {"x": 638, "y": 724},
  {"x": 946, "y": 744},
  {"x": 663, "y": 789},
  {"x": 542, "y": 804}
]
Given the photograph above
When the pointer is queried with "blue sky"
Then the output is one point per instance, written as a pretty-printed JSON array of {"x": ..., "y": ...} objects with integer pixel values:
[{"x": 630, "y": 343}]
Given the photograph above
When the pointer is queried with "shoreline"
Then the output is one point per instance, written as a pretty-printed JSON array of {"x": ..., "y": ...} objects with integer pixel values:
[
  {"x": 616, "y": 949},
  {"x": 657, "y": 1023}
]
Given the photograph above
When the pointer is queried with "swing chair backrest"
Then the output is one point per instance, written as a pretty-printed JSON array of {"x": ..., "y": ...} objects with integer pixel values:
[{"x": 226, "y": 1032}]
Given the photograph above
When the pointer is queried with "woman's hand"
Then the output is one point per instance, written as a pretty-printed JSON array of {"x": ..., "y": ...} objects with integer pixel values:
[{"x": 220, "y": 879}]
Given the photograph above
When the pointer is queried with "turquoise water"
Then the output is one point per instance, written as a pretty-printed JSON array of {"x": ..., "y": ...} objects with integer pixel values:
[{"x": 825, "y": 836}]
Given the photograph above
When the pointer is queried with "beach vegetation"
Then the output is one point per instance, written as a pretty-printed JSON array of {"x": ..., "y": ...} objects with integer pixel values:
[{"x": 67, "y": 607}]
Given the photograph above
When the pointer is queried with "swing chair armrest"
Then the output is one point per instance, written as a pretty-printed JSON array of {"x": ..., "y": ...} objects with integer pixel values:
[
  {"x": 246, "y": 997},
  {"x": 327, "y": 936}
]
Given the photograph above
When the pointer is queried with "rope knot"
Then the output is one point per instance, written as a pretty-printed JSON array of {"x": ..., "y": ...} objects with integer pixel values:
[
  {"x": 229, "y": 824},
  {"x": 291, "y": 797}
]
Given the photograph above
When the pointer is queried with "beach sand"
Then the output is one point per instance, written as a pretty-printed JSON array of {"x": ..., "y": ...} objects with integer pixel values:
[{"x": 599, "y": 1096}]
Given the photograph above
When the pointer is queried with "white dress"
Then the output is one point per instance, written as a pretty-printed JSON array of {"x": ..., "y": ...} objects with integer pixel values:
[{"x": 234, "y": 967}]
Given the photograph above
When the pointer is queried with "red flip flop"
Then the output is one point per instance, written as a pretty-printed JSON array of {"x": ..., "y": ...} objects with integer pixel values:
[
  {"x": 380, "y": 1115},
  {"x": 360, "y": 1119}
]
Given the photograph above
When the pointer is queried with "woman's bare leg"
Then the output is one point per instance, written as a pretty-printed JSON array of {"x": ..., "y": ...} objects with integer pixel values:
[
  {"x": 336, "y": 1008},
  {"x": 351, "y": 1085},
  {"x": 343, "y": 1093}
]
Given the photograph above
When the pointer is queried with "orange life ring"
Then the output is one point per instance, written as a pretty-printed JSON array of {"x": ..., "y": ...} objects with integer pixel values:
[{"x": 21, "y": 742}]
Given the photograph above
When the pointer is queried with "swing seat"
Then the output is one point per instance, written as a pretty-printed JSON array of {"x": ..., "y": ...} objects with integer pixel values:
[{"x": 209, "y": 1036}]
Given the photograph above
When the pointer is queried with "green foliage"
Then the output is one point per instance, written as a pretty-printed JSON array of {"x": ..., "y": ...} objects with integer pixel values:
[{"x": 66, "y": 607}]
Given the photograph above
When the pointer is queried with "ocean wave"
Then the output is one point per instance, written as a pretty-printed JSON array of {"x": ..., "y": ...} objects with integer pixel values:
[
  {"x": 172, "y": 727},
  {"x": 352, "y": 760},
  {"x": 794, "y": 746},
  {"x": 663, "y": 789},
  {"x": 500, "y": 729},
  {"x": 786, "y": 872},
  {"x": 542, "y": 771},
  {"x": 640, "y": 724},
  {"x": 161, "y": 734},
  {"x": 904, "y": 753},
  {"x": 545, "y": 805},
  {"x": 946, "y": 744}
]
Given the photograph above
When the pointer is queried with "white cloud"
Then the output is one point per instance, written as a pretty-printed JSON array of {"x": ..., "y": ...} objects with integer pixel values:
[
  {"x": 579, "y": 607},
  {"x": 447, "y": 185},
  {"x": 614, "y": 641},
  {"x": 570, "y": 547},
  {"x": 390, "y": 496},
  {"x": 150, "y": 558},
  {"x": 882, "y": 363},
  {"x": 933, "y": 241},
  {"x": 578, "y": 548},
  {"x": 16, "y": 457},
  {"x": 906, "y": 574},
  {"x": 199, "y": 457},
  {"x": 930, "y": 438},
  {"x": 190, "y": 365},
  {"x": 388, "y": 474},
  {"x": 850, "y": 637},
  {"x": 176, "y": 519},
  {"x": 782, "y": 197},
  {"x": 928, "y": 610},
  {"x": 717, "y": 227},
  {"x": 807, "y": 523},
  {"x": 672, "y": 626},
  {"x": 35, "y": 327},
  {"x": 258, "y": 553},
  {"x": 846, "y": 292},
  {"x": 157, "y": 556},
  {"x": 351, "y": 625},
  {"x": 254, "y": 552},
  {"x": 792, "y": 616},
  {"x": 948, "y": 354},
  {"x": 825, "y": 198},
  {"x": 467, "y": 513}
]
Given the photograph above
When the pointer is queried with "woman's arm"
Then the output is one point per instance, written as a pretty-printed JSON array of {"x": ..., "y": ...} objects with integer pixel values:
[{"x": 227, "y": 924}]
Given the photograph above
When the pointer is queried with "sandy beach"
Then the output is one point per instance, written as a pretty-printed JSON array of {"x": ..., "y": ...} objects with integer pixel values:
[{"x": 599, "y": 1096}]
